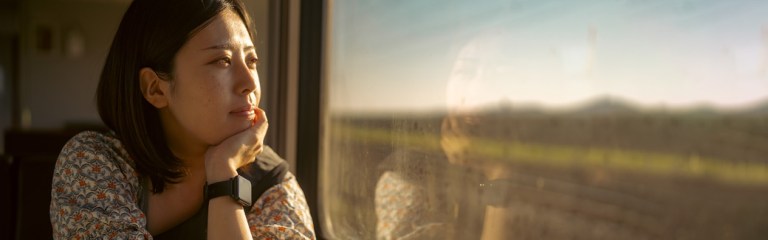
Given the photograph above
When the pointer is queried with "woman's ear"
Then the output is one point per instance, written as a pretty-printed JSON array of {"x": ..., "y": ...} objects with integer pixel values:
[{"x": 153, "y": 88}]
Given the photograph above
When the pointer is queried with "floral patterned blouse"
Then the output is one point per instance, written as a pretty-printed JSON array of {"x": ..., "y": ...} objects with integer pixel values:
[
  {"x": 95, "y": 194},
  {"x": 402, "y": 211}
]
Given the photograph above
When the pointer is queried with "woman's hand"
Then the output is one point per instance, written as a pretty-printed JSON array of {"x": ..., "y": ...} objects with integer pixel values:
[{"x": 223, "y": 160}]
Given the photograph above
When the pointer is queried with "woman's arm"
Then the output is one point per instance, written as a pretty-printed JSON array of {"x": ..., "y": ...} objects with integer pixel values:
[
  {"x": 226, "y": 220},
  {"x": 226, "y": 217},
  {"x": 94, "y": 193},
  {"x": 281, "y": 213}
]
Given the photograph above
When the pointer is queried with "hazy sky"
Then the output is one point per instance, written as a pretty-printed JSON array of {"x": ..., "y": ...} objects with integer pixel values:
[{"x": 412, "y": 55}]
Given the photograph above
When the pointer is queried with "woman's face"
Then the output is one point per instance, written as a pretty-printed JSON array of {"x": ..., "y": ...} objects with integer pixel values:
[{"x": 215, "y": 84}]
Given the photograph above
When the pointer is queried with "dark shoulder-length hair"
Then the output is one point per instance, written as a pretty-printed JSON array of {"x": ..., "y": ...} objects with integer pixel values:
[{"x": 150, "y": 34}]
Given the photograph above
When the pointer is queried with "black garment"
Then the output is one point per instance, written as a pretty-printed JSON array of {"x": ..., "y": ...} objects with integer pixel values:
[{"x": 268, "y": 170}]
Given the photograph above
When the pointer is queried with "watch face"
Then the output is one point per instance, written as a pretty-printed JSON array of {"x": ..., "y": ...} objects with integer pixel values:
[{"x": 244, "y": 191}]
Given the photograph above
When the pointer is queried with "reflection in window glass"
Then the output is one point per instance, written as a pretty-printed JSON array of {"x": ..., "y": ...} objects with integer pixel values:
[{"x": 546, "y": 119}]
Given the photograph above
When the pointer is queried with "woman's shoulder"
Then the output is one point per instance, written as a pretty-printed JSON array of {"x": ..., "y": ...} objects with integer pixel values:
[
  {"x": 95, "y": 142},
  {"x": 98, "y": 150},
  {"x": 95, "y": 189},
  {"x": 93, "y": 139}
]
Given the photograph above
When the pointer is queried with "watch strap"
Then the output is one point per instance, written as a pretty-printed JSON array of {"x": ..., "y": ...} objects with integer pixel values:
[
  {"x": 238, "y": 187},
  {"x": 218, "y": 189}
]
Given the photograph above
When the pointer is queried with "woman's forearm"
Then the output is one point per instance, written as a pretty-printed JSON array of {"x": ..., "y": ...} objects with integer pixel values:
[{"x": 226, "y": 219}]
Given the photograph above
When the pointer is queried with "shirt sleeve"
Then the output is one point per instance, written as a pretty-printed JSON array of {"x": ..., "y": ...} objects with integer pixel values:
[
  {"x": 397, "y": 204},
  {"x": 400, "y": 210},
  {"x": 94, "y": 193},
  {"x": 281, "y": 213}
]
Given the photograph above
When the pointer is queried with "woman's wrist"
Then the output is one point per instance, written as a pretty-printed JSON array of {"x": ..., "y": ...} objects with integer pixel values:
[{"x": 218, "y": 174}]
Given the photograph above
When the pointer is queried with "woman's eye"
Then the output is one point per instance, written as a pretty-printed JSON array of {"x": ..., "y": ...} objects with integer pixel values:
[
  {"x": 224, "y": 61},
  {"x": 253, "y": 62}
]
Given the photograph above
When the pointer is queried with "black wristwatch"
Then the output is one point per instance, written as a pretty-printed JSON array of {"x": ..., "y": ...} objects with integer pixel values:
[{"x": 238, "y": 187}]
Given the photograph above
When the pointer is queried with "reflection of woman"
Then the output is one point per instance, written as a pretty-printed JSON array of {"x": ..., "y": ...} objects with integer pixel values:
[
  {"x": 529, "y": 201},
  {"x": 426, "y": 196},
  {"x": 179, "y": 91},
  {"x": 480, "y": 191},
  {"x": 472, "y": 88},
  {"x": 410, "y": 203}
]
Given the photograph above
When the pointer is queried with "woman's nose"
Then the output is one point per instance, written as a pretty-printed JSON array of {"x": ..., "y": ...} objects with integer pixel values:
[{"x": 247, "y": 80}]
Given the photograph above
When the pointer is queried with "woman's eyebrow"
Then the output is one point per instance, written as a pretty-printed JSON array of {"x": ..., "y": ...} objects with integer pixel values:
[{"x": 227, "y": 46}]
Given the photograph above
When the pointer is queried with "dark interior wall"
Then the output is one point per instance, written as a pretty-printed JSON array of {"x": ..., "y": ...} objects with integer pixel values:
[
  {"x": 6, "y": 73},
  {"x": 57, "y": 86},
  {"x": 9, "y": 25}
]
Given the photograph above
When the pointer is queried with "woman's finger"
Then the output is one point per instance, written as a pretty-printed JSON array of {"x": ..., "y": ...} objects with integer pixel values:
[{"x": 261, "y": 117}]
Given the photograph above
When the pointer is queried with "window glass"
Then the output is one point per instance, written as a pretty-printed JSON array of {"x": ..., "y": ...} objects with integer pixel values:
[{"x": 545, "y": 119}]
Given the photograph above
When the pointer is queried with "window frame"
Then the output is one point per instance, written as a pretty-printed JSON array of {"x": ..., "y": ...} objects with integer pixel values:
[
  {"x": 293, "y": 91},
  {"x": 310, "y": 88}
]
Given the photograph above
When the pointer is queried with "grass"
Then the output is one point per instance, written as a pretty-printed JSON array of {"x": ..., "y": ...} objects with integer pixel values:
[{"x": 566, "y": 156}]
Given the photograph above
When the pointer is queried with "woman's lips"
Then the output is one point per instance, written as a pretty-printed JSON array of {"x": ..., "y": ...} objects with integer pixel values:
[{"x": 246, "y": 111}]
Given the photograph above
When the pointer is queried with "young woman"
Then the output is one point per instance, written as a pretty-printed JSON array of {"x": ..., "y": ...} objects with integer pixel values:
[{"x": 185, "y": 155}]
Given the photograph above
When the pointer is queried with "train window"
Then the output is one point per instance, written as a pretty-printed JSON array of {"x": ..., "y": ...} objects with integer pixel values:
[{"x": 545, "y": 119}]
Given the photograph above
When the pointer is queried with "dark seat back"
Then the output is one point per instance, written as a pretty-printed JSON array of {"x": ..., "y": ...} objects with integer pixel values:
[{"x": 29, "y": 162}]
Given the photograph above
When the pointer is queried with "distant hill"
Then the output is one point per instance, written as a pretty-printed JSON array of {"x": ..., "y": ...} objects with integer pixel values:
[
  {"x": 605, "y": 106},
  {"x": 612, "y": 106},
  {"x": 759, "y": 109}
]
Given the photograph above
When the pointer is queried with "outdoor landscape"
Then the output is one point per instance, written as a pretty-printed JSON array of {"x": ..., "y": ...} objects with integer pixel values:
[{"x": 605, "y": 170}]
